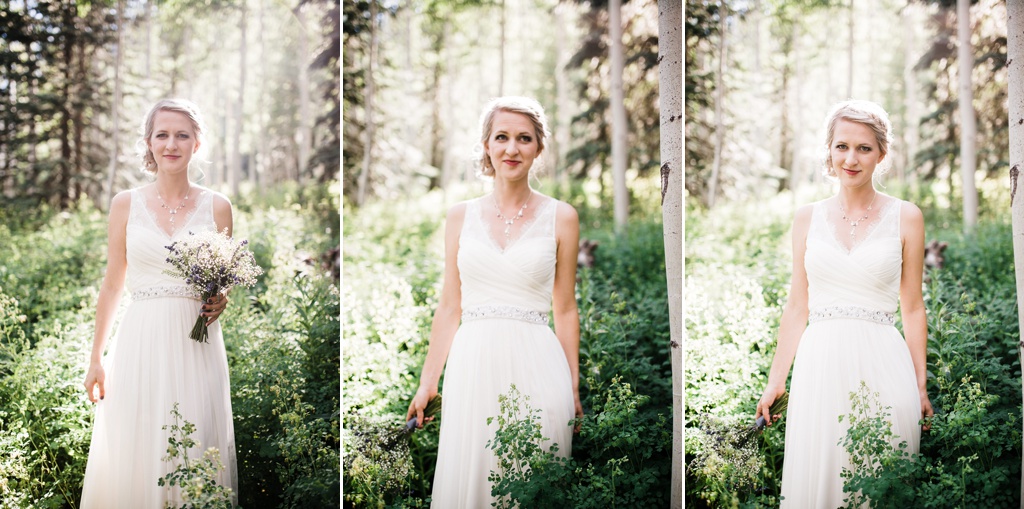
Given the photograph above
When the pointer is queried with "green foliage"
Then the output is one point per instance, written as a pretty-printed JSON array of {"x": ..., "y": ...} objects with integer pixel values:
[
  {"x": 197, "y": 479},
  {"x": 393, "y": 264},
  {"x": 971, "y": 455},
  {"x": 282, "y": 341}
]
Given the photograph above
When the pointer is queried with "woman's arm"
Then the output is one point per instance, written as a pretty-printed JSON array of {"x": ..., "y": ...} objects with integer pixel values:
[
  {"x": 794, "y": 319},
  {"x": 446, "y": 318},
  {"x": 110, "y": 292},
  {"x": 223, "y": 218},
  {"x": 915, "y": 322},
  {"x": 563, "y": 305}
]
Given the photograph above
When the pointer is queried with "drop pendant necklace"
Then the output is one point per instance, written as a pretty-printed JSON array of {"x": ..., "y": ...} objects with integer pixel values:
[
  {"x": 856, "y": 222},
  {"x": 509, "y": 221}
]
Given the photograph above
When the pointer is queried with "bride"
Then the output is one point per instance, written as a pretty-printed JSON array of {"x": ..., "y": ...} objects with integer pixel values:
[
  {"x": 153, "y": 365},
  {"x": 510, "y": 257}
]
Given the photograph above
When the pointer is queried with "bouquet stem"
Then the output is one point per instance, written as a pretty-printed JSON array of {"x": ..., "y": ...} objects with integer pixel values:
[{"x": 200, "y": 331}]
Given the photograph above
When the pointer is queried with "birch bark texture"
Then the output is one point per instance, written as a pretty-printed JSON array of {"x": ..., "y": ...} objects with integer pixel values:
[
  {"x": 1015, "y": 112},
  {"x": 968, "y": 122},
  {"x": 618, "y": 107},
  {"x": 670, "y": 79}
]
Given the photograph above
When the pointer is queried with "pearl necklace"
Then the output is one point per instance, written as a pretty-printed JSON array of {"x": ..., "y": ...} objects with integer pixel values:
[
  {"x": 174, "y": 210},
  {"x": 510, "y": 221},
  {"x": 854, "y": 223}
]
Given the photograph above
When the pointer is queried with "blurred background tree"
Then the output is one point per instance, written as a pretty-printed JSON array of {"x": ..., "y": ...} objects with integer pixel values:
[{"x": 76, "y": 78}]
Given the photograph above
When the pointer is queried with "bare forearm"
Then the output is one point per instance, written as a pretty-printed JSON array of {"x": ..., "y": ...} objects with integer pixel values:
[
  {"x": 792, "y": 326},
  {"x": 442, "y": 331},
  {"x": 567, "y": 329},
  {"x": 106, "y": 307},
  {"x": 915, "y": 330}
]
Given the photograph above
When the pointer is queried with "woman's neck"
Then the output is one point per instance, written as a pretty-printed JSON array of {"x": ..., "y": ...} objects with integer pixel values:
[
  {"x": 172, "y": 187},
  {"x": 511, "y": 194},
  {"x": 857, "y": 198}
]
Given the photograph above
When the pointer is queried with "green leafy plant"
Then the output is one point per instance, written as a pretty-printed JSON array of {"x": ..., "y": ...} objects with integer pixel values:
[{"x": 196, "y": 478}]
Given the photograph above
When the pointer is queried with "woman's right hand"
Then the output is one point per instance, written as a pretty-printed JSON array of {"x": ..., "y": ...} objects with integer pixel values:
[
  {"x": 93, "y": 378},
  {"x": 765, "y": 404},
  {"x": 419, "y": 404}
]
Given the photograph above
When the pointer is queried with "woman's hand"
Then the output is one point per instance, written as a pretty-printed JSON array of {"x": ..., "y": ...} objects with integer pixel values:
[
  {"x": 419, "y": 404},
  {"x": 926, "y": 411},
  {"x": 214, "y": 306},
  {"x": 94, "y": 378},
  {"x": 765, "y": 404}
]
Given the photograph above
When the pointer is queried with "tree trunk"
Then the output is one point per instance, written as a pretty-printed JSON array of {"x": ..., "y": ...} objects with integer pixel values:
[
  {"x": 305, "y": 115},
  {"x": 618, "y": 107},
  {"x": 968, "y": 123},
  {"x": 849, "y": 55},
  {"x": 716, "y": 165},
  {"x": 115, "y": 110},
  {"x": 1015, "y": 110},
  {"x": 670, "y": 79},
  {"x": 364, "y": 175},
  {"x": 501, "y": 48},
  {"x": 911, "y": 116},
  {"x": 563, "y": 116},
  {"x": 235, "y": 176}
]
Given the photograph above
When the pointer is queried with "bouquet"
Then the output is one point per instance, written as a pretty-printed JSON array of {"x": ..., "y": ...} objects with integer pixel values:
[
  {"x": 211, "y": 263},
  {"x": 433, "y": 407}
]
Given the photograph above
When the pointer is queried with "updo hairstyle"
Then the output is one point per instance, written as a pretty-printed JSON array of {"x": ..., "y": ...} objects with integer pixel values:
[
  {"x": 183, "y": 106},
  {"x": 512, "y": 104},
  {"x": 866, "y": 113}
]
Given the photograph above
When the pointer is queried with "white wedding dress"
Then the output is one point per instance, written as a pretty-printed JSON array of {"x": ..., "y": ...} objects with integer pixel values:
[
  {"x": 151, "y": 365},
  {"x": 853, "y": 293},
  {"x": 504, "y": 339}
]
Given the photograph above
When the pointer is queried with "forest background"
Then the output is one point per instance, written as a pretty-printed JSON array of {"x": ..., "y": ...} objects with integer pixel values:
[
  {"x": 416, "y": 75},
  {"x": 76, "y": 79},
  {"x": 760, "y": 77}
]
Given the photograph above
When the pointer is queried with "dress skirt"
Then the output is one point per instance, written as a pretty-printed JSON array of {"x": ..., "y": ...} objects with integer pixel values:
[
  {"x": 487, "y": 357},
  {"x": 152, "y": 365},
  {"x": 833, "y": 358}
]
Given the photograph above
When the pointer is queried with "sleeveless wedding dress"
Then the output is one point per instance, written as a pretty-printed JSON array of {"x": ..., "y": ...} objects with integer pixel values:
[
  {"x": 504, "y": 339},
  {"x": 853, "y": 293},
  {"x": 152, "y": 365}
]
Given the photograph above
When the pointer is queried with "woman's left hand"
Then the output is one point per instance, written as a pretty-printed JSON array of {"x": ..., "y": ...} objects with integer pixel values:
[
  {"x": 926, "y": 411},
  {"x": 214, "y": 306}
]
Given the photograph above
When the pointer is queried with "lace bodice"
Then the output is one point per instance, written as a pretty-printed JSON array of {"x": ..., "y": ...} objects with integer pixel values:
[
  {"x": 146, "y": 243},
  {"x": 521, "y": 275},
  {"x": 866, "y": 275}
]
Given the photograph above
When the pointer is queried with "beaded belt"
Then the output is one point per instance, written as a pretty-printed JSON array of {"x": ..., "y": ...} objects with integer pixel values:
[
  {"x": 515, "y": 313},
  {"x": 829, "y": 312},
  {"x": 153, "y": 292}
]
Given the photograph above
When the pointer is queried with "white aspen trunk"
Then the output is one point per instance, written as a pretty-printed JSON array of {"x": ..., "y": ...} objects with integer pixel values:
[
  {"x": 235, "y": 176},
  {"x": 562, "y": 114},
  {"x": 1015, "y": 110},
  {"x": 716, "y": 165},
  {"x": 501, "y": 49},
  {"x": 364, "y": 175},
  {"x": 618, "y": 107},
  {"x": 849, "y": 55},
  {"x": 670, "y": 79},
  {"x": 968, "y": 123},
  {"x": 911, "y": 112},
  {"x": 305, "y": 134},
  {"x": 257, "y": 162},
  {"x": 115, "y": 110}
]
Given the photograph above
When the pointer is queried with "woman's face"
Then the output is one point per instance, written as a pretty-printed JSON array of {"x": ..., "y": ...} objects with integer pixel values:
[
  {"x": 172, "y": 142},
  {"x": 512, "y": 145},
  {"x": 854, "y": 152}
]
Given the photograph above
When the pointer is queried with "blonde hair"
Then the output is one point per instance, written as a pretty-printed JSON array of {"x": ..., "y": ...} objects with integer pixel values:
[
  {"x": 863, "y": 112},
  {"x": 183, "y": 106},
  {"x": 512, "y": 104}
]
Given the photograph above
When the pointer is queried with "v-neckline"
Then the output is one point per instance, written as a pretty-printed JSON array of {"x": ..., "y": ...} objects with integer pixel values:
[
  {"x": 527, "y": 226},
  {"x": 187, "y": 219},
  {"x": 872, "y": 227}
]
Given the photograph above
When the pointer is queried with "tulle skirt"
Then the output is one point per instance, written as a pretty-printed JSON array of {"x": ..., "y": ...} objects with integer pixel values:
[
  {"x": 152, "y": 365},
  {"x": 833, "y": 358},
  {"x": 487, "y": 357}
]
